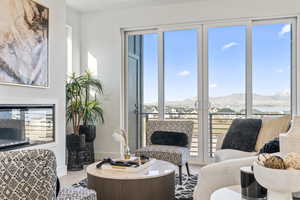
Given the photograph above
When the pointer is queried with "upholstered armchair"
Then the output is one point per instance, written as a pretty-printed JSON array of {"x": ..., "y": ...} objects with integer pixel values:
[
  {"x": 31, "y": 175},
  {"x": 178, "y": 155}
]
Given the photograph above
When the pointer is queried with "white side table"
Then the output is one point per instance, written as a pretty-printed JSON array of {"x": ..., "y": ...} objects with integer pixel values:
[{"x": 228, "y": 193}]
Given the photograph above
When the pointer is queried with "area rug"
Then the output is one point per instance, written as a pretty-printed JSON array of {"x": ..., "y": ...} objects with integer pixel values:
[{"x": 182, "y": 192}]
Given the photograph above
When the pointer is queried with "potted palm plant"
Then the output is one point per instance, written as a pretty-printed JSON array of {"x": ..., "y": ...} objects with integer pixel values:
[
  {"x": 92, "y": 111},
  {"x": 83, "y": 113}
]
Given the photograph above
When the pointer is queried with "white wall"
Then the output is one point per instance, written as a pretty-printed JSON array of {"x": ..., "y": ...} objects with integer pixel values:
[
  {"x": 56, "y": 92},
  {"x": 73, "y": 19},
  {"x": 101, "y": 37}
]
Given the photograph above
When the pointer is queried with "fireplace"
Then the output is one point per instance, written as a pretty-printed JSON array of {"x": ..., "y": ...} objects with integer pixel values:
[{"x": 23, "y": 125}]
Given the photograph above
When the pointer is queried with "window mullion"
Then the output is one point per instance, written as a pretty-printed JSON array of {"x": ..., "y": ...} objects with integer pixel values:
[
  {"x": 249, "y": 90},
  {"x": 161, "y": 82}
]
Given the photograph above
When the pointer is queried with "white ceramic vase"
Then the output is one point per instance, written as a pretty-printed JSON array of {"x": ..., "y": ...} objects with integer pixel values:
[{"x": 279, "y": 183}]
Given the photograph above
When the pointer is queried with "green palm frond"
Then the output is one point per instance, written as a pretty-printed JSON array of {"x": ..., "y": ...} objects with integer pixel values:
[{"x": 79, "y": 107}]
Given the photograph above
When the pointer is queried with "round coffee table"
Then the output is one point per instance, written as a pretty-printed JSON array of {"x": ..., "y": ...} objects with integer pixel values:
[{"x": 155, "y": 182}]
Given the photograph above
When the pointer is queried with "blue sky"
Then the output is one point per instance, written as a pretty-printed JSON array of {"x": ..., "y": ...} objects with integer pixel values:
[{"x": 226, "y": 49}]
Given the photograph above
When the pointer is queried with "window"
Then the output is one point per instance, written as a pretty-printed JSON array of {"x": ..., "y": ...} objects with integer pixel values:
[
  {"x": 212, "y": 74},
  {"x": 272, "y": 61},
  {"x": 181, "y": 79},
  {"x": 226, "y": 79},
  {"x": 150, "y": 74}
]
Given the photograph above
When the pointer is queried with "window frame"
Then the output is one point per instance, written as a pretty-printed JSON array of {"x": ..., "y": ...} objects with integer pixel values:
[{"x": 202, "y": 43}]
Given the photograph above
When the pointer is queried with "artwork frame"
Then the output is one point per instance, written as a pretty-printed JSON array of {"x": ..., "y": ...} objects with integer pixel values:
[{"x": 28, "y": 63}]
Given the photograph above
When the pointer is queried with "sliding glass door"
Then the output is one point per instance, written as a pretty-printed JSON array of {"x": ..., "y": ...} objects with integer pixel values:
[
  {"x": 210, "y": 74},
  {"x": 226, "y": 48},
  {"x": 181, "y": 79},
  {"x": 272, "y": 64}
]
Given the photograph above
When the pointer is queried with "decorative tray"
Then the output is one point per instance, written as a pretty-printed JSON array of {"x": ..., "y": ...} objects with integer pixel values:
[{"x": 131, "y": 169}]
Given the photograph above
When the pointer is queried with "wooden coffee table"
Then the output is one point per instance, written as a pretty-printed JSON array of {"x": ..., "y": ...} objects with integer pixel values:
[{"x": 155, "y": 182}]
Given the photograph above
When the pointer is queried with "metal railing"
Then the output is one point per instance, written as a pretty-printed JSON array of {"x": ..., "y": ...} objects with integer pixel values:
[{"x": 219, "y": 123}]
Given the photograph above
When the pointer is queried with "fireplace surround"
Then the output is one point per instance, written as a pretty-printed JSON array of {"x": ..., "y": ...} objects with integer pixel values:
[{"x": 26, "y": 124}]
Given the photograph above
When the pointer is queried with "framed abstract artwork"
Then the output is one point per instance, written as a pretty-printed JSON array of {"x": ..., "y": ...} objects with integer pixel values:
[{"x": 24, "y": 41}]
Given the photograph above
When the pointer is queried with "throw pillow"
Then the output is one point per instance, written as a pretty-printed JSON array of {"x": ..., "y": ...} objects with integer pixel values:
[
  {"x": 271, "y": 128},
  {"x": 169, "y": 138},
  {"x": 271, "y": 147},
  {"x": 242, "y": 135}
]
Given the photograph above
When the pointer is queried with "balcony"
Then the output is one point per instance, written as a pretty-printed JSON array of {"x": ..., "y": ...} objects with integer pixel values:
[{"x": 219, "y": 123}]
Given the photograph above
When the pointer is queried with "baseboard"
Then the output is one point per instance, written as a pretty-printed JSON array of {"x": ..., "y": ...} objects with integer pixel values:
[
  {"x": 101, "y": 155},
  {"x": 62, "y": 171}
]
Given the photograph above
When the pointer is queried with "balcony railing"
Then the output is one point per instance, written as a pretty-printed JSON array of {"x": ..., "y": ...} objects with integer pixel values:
[{"x": 219, "y": 123}]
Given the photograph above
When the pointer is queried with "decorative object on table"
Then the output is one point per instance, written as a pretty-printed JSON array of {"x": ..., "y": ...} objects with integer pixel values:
[
  {"x": 271, "y": 161},
  {"x": 121, "y": 136},
  {"x": 176, "y": 154},
  {"x": 83, "y": 113},
  {"x": 279, "y": 175},
  {"x": 144, "y": 159},
  {"x": 250, "y": 188},
  {"x": 24, "y": 35},
  {"x": 133, "y": 165},
  {"x": 183, "y": 191}
]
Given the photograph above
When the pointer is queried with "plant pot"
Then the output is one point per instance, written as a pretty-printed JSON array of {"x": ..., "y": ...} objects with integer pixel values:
[
  {"x": 89, "y": 131},
  {"x": 75, "y": 143}
]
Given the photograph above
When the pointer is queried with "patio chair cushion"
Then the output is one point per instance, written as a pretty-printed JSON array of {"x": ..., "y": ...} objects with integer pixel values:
[
  {"x": 169, "y": 138},
  {"x": 174, "y": 154}
]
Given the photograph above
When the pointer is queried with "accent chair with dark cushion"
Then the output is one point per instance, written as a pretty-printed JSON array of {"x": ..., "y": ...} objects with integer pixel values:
[
  {"x": 31, "y": 175},
  {"x": 169, "y": 141}
]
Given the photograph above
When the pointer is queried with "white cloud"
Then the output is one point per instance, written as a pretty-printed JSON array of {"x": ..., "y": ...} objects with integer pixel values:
[
  {"x": 184, "y": 73},
  {"x": 279, "y": 70},
  {"x": 213, "y": 85},
  {"x": 229, "y": 45},
  {"x": 285, "y": 29}
]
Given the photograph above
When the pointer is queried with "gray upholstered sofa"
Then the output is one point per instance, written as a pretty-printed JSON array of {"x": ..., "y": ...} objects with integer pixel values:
[{"x": 31, "y": 175}]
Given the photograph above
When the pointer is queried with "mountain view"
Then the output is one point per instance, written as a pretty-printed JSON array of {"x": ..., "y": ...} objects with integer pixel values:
[{"x": 277, "y": 103}]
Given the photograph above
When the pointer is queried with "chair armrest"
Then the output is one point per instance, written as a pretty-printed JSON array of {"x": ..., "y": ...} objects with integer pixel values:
[
  {"x": 289, "y": 143},
  {"x": 219, "y": 175},
  {"x": 227, "y": 154}
]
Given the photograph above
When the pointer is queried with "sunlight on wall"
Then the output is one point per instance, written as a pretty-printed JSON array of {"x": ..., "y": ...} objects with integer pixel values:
[
  {"x": 69, "y": 51},
  {"x": 92, "y": 64}
]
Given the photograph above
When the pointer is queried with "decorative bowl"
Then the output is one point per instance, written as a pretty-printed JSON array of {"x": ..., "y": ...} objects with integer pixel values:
[{"x": 279, "y": 183}]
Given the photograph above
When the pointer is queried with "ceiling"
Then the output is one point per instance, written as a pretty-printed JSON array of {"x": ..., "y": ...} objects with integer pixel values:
[{"x": 100, "y": 5}]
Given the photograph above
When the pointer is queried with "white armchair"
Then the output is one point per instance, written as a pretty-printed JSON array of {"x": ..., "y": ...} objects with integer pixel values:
[
  {"x": 219, "y": 175},
  {"x": 289, "y": 142}
]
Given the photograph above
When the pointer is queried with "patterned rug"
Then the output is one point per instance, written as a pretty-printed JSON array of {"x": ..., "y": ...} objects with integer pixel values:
[{"x": 182, "y": 192}]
